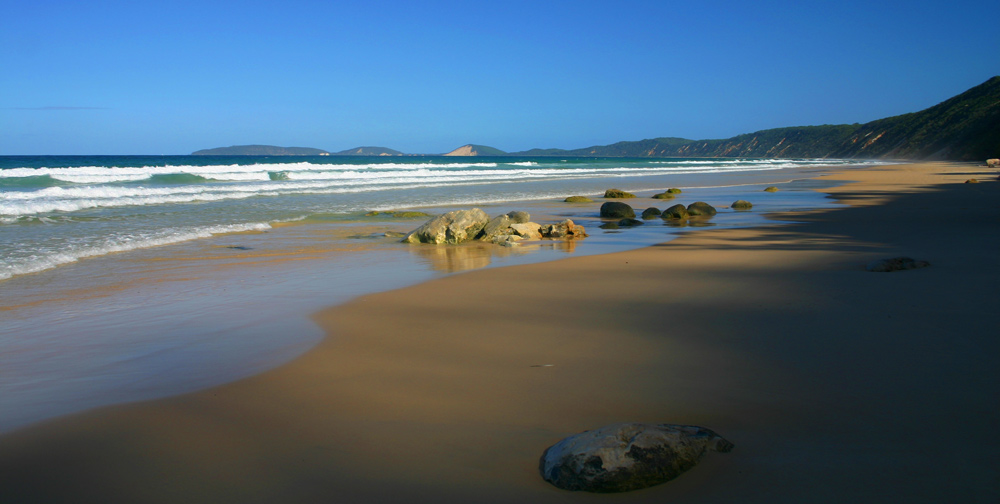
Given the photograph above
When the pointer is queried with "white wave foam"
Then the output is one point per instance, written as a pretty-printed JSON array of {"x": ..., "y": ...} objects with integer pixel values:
[{"x": 122, "y": 243}]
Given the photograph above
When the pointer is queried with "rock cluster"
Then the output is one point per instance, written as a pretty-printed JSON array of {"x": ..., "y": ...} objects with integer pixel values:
[
  {"x": 627, "y": 456},
  {"x": 465, "y": 225}
]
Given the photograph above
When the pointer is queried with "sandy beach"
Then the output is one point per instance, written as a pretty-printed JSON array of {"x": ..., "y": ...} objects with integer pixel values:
[{"x": 834, "y": 383}]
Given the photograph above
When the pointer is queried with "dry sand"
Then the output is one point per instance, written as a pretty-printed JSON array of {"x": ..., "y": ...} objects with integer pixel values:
[{"x": 835, "y": 384}]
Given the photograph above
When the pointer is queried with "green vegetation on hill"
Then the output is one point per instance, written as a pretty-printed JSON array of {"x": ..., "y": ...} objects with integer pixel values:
[
  {"x": 260, "y": 150},
  {"x": 966, "y": 127}
]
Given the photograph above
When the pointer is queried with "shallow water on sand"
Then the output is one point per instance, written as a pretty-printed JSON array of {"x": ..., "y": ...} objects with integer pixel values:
[{"x": 168, "y": 320}]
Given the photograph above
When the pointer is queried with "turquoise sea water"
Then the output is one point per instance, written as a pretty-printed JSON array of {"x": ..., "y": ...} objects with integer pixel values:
[{"x": 126, "y": 278}]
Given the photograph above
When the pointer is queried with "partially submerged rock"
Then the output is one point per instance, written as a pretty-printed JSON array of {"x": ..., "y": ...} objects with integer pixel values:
[
  {"x": 578, "y": 199},
  {"x": 651, "y": 213},
  {"x": 564, "y": 229},
  {"x": 674, "y": 190},
  {"x": 770, "y": 189},
  {"x": 452, "y": 227},
  {"x": 677, "y": 211},
  {"x": 972, "y": 181},
  {"x": 895, "y": 264},
  {"x": 701, "y": 208},
  {"x": 617, "y": 193},
  {"x": 617, "y": 210},
  {"x": 741, "y": 205},
  {"x": 627, "y": 456},
  {"x": 664, "y": 195}
]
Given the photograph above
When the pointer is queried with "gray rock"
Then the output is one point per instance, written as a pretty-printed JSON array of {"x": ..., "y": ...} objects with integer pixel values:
[
  {"x": 499, "y": 225},
  {"x": 627, "y": 456},
  {"x": 651, "y": 213},
  {"x": 452, "y": 227},
  {"x": 895, "y": 264},
  {"x": 519, "y": 217},
  {"x": 617, "y": 210},
  {"x": 701, "y": 208}
]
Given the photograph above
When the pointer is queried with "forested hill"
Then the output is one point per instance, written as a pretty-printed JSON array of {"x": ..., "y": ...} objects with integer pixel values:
[
  {"x": 966, "y": 127},
  {"x": 260, "y": 150}
]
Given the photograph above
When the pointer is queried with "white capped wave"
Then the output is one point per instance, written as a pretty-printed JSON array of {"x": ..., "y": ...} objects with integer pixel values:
[
  {"x": 75, "y": 198},
  {"x": 108, "y": 174},
  {"x": 119, "y": 243}
]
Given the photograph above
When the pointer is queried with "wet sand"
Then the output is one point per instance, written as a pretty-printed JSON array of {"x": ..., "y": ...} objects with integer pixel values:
[{"x": 834, "y": 383}]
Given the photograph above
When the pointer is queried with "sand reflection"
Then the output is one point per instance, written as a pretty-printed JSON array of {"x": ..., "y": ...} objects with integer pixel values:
[{"x": 465, "y": 257}]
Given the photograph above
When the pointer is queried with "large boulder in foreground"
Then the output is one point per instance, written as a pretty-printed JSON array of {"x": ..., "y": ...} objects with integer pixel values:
[
  {"x": 617, "y": 210},
  {"x": 627, "y": 456},
  {"x": 452, "y": 227}
]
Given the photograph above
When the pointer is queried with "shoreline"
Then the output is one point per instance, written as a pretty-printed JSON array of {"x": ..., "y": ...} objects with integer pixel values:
[
  {"x": 109, "y": 330},
  {"x": 834, "y": 383}
]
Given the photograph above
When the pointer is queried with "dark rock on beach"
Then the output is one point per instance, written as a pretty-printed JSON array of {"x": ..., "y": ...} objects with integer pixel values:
[
  {"x": 578, "y": 199},
  {"x": 701, "y": 208},
  {"x": 651, "y": 213},
  {"x": 895, "y": 264},
  {"x": 741, "y": 205},
  {"x": 664, "y": 195},
  {"x": 617, "y": 210},
  {"x": 617, "y": 193},
  {"x": 675, "y": 212},
  {"x": 627, "y": 456},
  {"x": 770, "y": 189}
]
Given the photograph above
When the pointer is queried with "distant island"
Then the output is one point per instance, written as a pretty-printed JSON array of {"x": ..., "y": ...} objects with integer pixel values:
[
  {"x": 369, "y": 151},
  {"x": 476, "y": 150},
  {"x": 963, "y": 128},
  {"x": 260, "y": 150}
]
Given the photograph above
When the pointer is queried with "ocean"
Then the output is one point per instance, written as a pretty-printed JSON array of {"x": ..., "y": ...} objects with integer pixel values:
[{"x": 126, "y": 278}]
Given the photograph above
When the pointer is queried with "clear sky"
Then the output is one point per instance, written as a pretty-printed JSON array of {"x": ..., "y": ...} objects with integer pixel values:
[{"x": 156, "y": 77}]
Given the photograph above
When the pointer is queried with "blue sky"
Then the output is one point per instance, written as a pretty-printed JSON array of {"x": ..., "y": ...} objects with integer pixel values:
[{"x": 128, "y": 77}]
